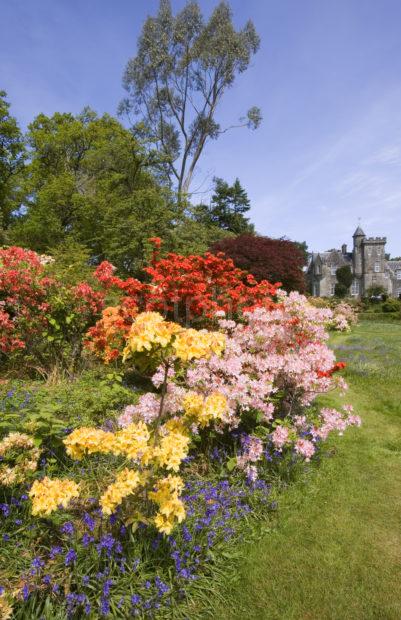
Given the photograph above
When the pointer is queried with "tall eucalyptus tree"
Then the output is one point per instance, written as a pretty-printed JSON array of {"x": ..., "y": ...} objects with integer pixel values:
[{"x": 183, "y": 67}]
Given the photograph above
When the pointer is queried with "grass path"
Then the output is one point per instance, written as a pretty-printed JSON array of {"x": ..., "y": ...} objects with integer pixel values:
[{"x": 336, "y": 550}]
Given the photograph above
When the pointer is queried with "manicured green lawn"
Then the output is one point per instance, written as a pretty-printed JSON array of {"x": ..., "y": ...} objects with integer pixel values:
[{"x": 335, "y": 552}]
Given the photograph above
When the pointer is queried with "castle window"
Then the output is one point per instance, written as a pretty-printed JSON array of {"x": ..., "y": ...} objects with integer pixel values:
[
  {"x": 369, "y": 248},
  {"x": 333, "y": 289},
  {"x": 378, "y": 251},
  {"x": 355, "y": 287},
  {"x": 333, "y": 271},
  {"x": 398, "y": 274},
  {"x": 377, "y": 266}
]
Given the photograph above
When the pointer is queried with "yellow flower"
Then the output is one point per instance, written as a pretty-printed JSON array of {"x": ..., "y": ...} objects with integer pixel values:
[
  {"x": 15, "y": 440},
  {"x": 149, "y": 330},
  {"x": 126, "y": 482},
  {"x": 6, "y": 611},
  {"x": 89, "y": 440},
  {"x": 205, "y": 410},
  {"x": 133, "y": 442},
  {"x": 163, "y": 524},
  {"x": 192, "y": 344},
  {"x": 47, "y": 495},
  {"x": 173, "y": 446},
  {"x": 214, "y": 408},
  {"x": 171, "y": 508},
  {"x": 193, "y": 405},
  {"x": 23, "y": 463}
]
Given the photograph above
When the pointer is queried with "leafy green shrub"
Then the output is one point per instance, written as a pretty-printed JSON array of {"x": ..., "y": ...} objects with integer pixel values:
[
  {"x": 376, "y": 291},
  {"x": 340, "y": 290},
  {"x": 344, "y": 277},
  {"x": 391, "y": 305},
  {"x": 46, "y": 411}
]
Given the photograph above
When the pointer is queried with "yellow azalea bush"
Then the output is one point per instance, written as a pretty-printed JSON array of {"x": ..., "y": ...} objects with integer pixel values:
[
  {"x": 171, "y": 508},
  {"x": 150, "y": 332},
  {"x": 126, "y": 482},
  {"x": 6, "y": 611},
  {"x": 148, "y": 452},
  {"x": 205, "y": 410},
  {"x": 47, "y": 495},
  {"x": 21, "y": 457}
]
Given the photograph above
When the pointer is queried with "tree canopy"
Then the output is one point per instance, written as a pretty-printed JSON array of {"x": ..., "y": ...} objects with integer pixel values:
[
  {"x": 88, "y": 180},
  {"x": 12, "y": 156},
  {"x": 227, "y": 208},
  {"x": 275, "y": 260}
]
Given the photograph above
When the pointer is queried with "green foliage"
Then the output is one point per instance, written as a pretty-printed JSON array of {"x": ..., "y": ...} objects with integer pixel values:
[
  {"x": 340, "y": 290},
  {"x": 88, "y": 183},
  {"x": 47, "y": 410},
  {"x": 12, "y": 155},
  {"x": 71, "y": 262},
  {"x": 228, "y": 205},
  {"x": 375, "y": 291},
  {"x": 391, "y": 305},
  {"x": 380, "y": 317},
  {"x": 344, "y": 276},
  {"x": 182, "y": 69},
  {"x": 192, "y": 236}
]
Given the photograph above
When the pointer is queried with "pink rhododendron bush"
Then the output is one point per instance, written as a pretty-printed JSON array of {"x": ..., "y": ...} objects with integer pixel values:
[{"x": 341, "y": 316}]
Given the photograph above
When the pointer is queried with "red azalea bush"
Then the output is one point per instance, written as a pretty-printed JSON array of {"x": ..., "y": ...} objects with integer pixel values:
[
  {"x": 40, "y": 317},
  {"x": 184, "y": 288},
  {"x": 192, "y": 286}
]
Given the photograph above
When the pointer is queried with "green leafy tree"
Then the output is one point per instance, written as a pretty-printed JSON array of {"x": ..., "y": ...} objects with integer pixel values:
[
  {"x": 192, "y": 236},
  {"x": 89, "y": 181},
  {"x": 340, "y": 290},
  {"x": 344, "y": 281},
  {"x": 182, "y": 69},
  {"x": 12, "y": 157},
  {"x": 227, "y": 207}
]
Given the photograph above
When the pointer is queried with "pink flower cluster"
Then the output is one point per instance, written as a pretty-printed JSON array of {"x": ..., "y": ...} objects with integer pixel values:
[{"x": 274, "y": 352}]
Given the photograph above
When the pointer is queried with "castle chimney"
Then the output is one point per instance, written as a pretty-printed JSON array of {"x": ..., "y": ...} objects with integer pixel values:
[{"x": 344, "y": 249}]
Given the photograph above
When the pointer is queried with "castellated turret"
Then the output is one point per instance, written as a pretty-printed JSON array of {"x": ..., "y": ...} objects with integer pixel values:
[{"x": 373, "y": 262}]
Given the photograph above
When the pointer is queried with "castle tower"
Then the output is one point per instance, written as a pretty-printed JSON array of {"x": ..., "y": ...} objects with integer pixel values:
[
  {"x": 357, "y": 255},
  {"x": 374, "y": 262}
]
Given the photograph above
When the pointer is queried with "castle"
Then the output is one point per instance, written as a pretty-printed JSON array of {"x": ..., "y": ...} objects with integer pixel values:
[{"x": 369, "y": 266}]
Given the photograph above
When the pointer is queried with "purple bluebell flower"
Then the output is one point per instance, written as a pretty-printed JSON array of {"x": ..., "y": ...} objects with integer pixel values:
[
  {"x": 36, "y": 565},
  {"x": 54, "y": 551},
  {"x": 87, "y": 539},
  {"x": 89, "y": 521},
  {"x": 5, "y": 509},
  {"x": 70, "y": 557},
  {"x": 68, "y": 528}
]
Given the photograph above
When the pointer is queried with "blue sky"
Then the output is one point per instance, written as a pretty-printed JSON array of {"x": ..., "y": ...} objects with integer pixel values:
[{"x": 327, "y": 77}]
